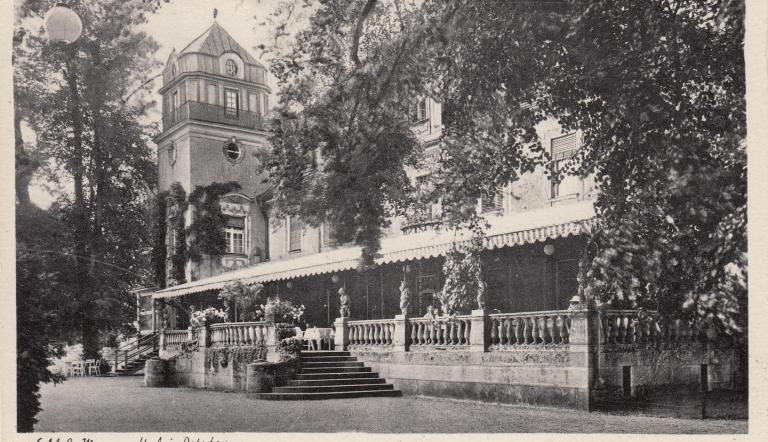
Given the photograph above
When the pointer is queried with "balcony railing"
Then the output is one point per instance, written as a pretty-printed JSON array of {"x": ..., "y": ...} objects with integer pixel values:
[{"x": 194, "y": 110}]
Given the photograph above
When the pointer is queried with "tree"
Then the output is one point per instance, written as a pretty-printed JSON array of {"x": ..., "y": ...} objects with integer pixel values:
[
  {"x": 655, "y": 86},
  {"x": 77, "y": 260}
]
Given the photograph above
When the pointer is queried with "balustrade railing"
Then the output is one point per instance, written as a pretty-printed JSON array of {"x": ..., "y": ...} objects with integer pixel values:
[
  {"x": 634, "y": 327},
  {"x": 175, "y": 338},
  {"x": 195, "y": 110},
  {"x": 379, "y": 332},
  {"x": 530, "y": 328},
  {"x": 429, "y": 332},
  {"x": 233, "y": 334}
]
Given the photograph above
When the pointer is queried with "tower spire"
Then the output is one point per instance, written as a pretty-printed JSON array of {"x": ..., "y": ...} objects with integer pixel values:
[{"x": 215, "y": 13}]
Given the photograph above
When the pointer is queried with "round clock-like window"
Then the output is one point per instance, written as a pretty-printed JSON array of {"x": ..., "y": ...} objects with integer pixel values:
[
  {"x": 231, "y": 68},
  {"x": 233, "y": 152}
]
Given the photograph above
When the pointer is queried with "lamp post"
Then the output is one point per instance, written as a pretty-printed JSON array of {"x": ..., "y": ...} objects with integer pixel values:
[{"x": 62, "y": 24}]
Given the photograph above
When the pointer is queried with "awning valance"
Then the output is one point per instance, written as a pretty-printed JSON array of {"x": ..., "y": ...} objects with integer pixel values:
[{"x": 505, "y": 231}]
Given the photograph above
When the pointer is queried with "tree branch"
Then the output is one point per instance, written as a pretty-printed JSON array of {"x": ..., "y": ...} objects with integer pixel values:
[{"x": 353, "y": 51}]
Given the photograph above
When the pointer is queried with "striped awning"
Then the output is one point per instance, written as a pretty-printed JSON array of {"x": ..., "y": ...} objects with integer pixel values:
[{"x": 505, "y": 231}]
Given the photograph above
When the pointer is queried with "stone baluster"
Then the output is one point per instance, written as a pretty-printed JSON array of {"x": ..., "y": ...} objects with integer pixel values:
[
  {"x": 519, "y": 331},
  {"x": 619, "y": 330},
  {"x": 527, "y": 330},
  {"x": 543, "y": 330},
  {"x": 554, "y": 330},
  {"x": 495, "y": 331}
]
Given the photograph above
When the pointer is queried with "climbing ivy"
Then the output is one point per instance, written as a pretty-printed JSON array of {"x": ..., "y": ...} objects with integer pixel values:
[
  {"x": 206, "y": 233},
  {"x": 159, "y": 250},
  {"x": 176, "y": 215},
  {"x": 463, "y": 277}
]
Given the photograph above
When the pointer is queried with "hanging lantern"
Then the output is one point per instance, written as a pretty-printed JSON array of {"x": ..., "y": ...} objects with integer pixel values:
[
  {"x": 63, "y": 24},
  {"x": 335, "y": 279},
  {"x": 549, "y": 249},
  {"x": 289, "y": 284}
]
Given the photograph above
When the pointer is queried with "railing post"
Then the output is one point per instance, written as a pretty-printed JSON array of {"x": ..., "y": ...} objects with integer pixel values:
[
  {"x": 583, "y": 338},
  {"x": 341, "y": 339},
  {"x": 400, "y": 338},
  {"x": 190, "y": 334},
  {"x": 479, "y": 331},
  {"x": 202, "y": 335},
  {"x": 163, "y": 338}
]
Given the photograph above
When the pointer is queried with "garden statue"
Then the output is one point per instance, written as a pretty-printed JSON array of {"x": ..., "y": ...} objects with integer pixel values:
[
  {"x": 405, "y": 297},
  {"x": 344, "y": 300},
  {"x": 481, "y": 295}
]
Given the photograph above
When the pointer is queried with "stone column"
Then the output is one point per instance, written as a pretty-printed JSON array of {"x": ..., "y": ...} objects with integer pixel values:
[
  {"x": 190, "y": 334},
  {"x": 478, "y": 332},
  {"x": 202, "y": 336},
  {"x": 341, "y": 340},
  {"x": 257, "y": 378},
  {"x": 400, "y": 339},
  {"x": 162, "y": 338},
  {"x": 583, "y": 341}
]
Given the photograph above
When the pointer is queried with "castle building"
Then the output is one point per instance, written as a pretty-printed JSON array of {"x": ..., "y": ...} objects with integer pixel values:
[
  {"x": 215, "y": 98},
  {"x": 530, "y": 342}
]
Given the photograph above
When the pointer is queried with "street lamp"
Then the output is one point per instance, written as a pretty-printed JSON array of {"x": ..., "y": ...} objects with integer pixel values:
[{"x": 63, "y": 24}]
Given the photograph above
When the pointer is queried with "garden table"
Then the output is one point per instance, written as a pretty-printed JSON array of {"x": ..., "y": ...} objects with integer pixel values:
[{"x": 318, "y": 335}]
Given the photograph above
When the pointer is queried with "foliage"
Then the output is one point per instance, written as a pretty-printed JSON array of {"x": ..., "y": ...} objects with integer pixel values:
[
  {"x": 283, "y": 310},
  {"x": 209, "y": 316},
  {"x": 206, "y": 233},
  {"x": 656, "y": 88},
  {"x": 242, "y": 301},
  {"x": 92, "y": 149},
  {"x": 463, "y": 273},
  {"x": 41, "y": 292},
  {"x": 178, "y": 197},
  {"x": 290, "y": 348},
  {"x": 159, "y": 248}
]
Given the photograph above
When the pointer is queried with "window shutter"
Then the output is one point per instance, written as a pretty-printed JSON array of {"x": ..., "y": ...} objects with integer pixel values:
[{"x": 565, "y": 146}]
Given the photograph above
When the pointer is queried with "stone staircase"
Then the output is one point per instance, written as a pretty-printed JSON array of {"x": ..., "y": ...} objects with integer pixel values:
[
  {"x": 331, "y": 375},
  {"x": 135, "y": 365}
]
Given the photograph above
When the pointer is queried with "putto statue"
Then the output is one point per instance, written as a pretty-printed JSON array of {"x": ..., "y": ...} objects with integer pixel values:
[
  {"x": 405, "y": 297},
  {"x": 344, "y": 301}
]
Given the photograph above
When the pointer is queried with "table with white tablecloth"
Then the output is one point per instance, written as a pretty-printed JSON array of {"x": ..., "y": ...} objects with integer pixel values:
[{"x": 314, "y": 336}]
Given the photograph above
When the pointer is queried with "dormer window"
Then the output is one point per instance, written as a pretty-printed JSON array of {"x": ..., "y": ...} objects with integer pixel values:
[
  {"x": 173, "y": 70},
  {"x": 231, "y": 68}
]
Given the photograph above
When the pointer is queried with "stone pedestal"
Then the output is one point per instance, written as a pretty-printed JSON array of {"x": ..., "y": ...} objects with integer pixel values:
[
  {"x": 258, "y": 379},
  {"x": 203, "y": 338},
  {"x": 162, "y": 339},
  {"x": 478, "y": 333},
  {"x": 400, "y": 338},
  {"x": 190, "y": 334},
  {"x": 341, "y": 340},
  {"x": 583, "y": 338}
]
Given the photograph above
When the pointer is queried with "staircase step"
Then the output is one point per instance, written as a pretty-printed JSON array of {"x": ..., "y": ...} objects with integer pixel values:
[
  {"x": 328, "y": 395},
  {"x": 314, "y": 353},
  {"x": 344, "y": 375},
  {"x": 313, "y": 364},
  {"x": 328, "y": 359},
  {"x": 332, "y": 388},
  {"x": 335, "y": 381},
  {"x": 333, "y": 369}
]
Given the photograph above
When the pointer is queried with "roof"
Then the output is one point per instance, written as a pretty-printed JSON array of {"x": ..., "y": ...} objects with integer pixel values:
[
  {"x": 505, "y": 231},
  {"x": 216, "y": 41}
]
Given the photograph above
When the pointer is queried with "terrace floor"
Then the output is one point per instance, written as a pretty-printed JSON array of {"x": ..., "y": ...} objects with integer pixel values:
[{"x": 111, "y": 404}]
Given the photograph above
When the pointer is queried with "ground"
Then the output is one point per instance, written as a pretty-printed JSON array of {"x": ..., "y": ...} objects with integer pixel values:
[{"x": 125, "y": 405}]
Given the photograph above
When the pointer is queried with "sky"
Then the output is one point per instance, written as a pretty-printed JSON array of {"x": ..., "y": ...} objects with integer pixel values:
[{"x": 179, "y": 22}]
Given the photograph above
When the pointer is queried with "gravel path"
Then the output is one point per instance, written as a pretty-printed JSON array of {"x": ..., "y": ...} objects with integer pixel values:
[{"x": 125, "y": 405}]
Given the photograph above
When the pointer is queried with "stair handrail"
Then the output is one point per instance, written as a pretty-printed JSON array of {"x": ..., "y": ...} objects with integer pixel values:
[{"x": 143, "y": 345}]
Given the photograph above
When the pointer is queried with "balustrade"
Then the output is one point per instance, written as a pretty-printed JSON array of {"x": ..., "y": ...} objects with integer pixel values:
[
  {"x": 426, "y": 332},
  {"x": 378, "y": 332},
  {"x": 234, "y": 334},
  {"x": 175, "y": 338},
  {"x": 530, "y": 328},
  {"x": 629, "y": 327}
]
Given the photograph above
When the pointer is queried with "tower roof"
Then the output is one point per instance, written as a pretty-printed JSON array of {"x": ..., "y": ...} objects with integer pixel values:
[{"x": 216, "y": 41}]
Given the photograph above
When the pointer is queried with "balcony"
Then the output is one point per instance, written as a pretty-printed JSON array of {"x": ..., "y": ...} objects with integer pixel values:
[
  {"x": 194, "y": 110},
  {"x": 420, "y": 221}
]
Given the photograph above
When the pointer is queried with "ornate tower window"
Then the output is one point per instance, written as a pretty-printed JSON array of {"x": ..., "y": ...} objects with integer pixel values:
[{"x": 235, "y": 235}]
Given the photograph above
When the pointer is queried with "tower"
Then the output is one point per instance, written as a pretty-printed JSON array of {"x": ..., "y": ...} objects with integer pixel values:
[{"x": 214, "y": 99}]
